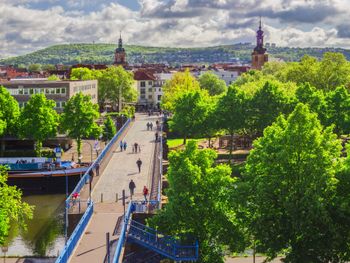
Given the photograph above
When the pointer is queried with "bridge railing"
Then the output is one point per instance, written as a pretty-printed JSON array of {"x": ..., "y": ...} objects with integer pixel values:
[
  {"x": 77, "y": 233},
  {"x": 86, "y": 177}
]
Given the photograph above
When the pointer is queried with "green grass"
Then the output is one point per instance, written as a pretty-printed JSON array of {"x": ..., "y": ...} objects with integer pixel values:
[{"x": 172, "y": 143}]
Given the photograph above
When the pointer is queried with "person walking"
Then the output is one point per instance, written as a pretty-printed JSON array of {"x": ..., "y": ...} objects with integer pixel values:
[
  {"x": 156, "y": 134},
  {"x": 151, "y": 126},
  {"x": 147, "y": 126},
  {"x": 132, "y": 187},
  {"x": 145, "y": 192},
  {"x": 135, "y": 146},
  {"x": 121, "y": 145},
  {"x": 139, "y": 163},
  {"x": 125, "y": 145}
]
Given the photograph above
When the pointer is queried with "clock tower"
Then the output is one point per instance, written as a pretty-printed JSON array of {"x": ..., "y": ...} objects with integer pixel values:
[
  {"x": 120, "y": 54},
  {"x": 259, "y": 55}
]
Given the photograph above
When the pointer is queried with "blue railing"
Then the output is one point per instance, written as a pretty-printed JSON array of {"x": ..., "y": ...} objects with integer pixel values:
[
  {"x": 86, "y": 176},
  {"x": 74, "y": 238},
  {"x": 167, "y": 246}
]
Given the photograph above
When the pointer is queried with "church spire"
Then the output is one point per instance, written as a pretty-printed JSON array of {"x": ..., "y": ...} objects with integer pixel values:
[
  {"x": 120, "y": 43},
  {"x": 260, "y": 39}
]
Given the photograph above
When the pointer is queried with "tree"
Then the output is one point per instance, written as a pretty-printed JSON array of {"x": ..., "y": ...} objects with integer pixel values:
[
  {"x": 180, "y": 82},
  {"x": 48, "y": 67},
  {"x": 34, "y": 67},
  {"x": 39, "y": 120},
  {"x": 109, "y": 129},
  {"x": 78, "y": 119},
  {"x": 208, "y": 126},
  {"x": 9, "y": 112},
  {"x": 337, "y": 111},
  {"x": 114, "y": 83},
  {"x": 212, "y": 83},
  {"x": 231, "y": 112},
  {"x": 290, "y": 182},
  {"x": 81, "y": 74},
  {"x": 198, "y": 203},
  {"x": 265, "y": 106},
  {"x": 11, "y": 207},
  {"x": 54, "y": 78},
  {"x": 189, "y": 113}
]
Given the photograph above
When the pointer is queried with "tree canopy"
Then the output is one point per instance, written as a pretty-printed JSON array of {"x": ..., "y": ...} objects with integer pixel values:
[
  {"x": 198, "y": 204},
  {"x": 9, "y": 112},
  {"x": 212, "y": 83},
  {"x": 39, "y": 120},
  {"x": 291, "y": 177},
  {"x": 79, "y": 119},
  {"x": 11, "y": 207}
]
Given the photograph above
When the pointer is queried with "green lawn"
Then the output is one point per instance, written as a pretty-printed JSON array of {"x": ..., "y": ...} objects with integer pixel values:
[{"x": 177, "y": 142}]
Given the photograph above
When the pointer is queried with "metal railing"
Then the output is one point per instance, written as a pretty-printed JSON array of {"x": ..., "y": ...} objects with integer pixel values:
[
  {"x": 86, "y": 176},
  {"x": 74, "y": 238}
]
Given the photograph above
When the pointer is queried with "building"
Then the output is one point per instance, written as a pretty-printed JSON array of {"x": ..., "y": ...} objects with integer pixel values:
[
  {"x": 228, "y": 72},
  {"x": 59, "y": 91},
  {"x": 120, "y": 54},
  {"x": 259, "y": 55}
]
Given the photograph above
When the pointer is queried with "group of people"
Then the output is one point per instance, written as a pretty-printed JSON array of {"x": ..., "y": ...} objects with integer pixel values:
[
  {"x": 123, "y": 145},
  {"x": 132, "y": 187},
  {"x": 149, "y": 126}
]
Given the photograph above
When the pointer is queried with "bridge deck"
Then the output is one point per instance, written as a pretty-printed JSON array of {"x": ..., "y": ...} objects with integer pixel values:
[{"x": 116, "y": 177}]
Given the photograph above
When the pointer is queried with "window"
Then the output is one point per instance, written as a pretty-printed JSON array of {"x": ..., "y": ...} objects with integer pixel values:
[
  {"x": 20, "y": 91},
  {"x": 143, "y": 84},
  {"x": 58, "y": 104},
  {"x": 142, "y": 91},
  {"x": 143, "y": 96},
  {"x": 52, "y": 91},
  {"x": 47, "y": 91},
  {"x": 58, "y": 90},
  {"x": 63, "y": 104},
  {"x": 63, "y": 90},
  {"x": 160, "y": 89},
  {"x": 159, "y": 97},
  {"x": 149, "y": 89},
  {"x": 149, "y": 82},
  {"x": 150, "y": 97},
  {"x": 25, "y": 91},
  {"x": 31, "y": 91}
]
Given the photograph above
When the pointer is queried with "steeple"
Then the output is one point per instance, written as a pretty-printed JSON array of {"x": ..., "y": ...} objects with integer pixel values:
[
  {"x": 120, "y": 43},
  {"x": 259, "y": 55},
  {"x": 120, "y": 54}
]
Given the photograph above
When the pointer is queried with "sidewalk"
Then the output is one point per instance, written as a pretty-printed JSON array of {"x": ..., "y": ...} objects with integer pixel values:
[{"x": 116, "y": 177}]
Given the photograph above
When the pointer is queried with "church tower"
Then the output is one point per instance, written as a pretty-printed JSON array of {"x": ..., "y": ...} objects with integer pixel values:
[
  {"x": 120, "y": 55},
  {"x": 259, "y": 55}
]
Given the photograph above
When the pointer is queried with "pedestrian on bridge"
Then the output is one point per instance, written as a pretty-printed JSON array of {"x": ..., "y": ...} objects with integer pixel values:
[
  {"x": 145, "y": 192},
  {"x": 148, "y": 126},
  {"x": 139, "y": 163},
  {"x": 156, "y": 136},
  {"x": 151, "y": 126},
  {"x": 135, "y": 147},
  {"x": 132, "y": 187},
  {"x": 121, "y": 144},
  {"x": 125, "y": 145}
]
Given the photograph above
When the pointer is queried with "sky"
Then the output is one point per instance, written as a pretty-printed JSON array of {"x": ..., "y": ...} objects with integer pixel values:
[{"x": 29, "y": 25}]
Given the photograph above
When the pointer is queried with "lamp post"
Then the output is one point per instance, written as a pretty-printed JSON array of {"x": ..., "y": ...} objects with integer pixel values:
[{"x": 4, "y": 249}]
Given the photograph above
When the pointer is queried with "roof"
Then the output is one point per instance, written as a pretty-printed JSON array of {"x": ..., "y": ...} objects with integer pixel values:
[{"x": 143, "y": 75}]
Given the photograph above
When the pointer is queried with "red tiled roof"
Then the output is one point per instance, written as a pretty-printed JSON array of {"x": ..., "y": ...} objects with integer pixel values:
[{"x": 143, "y": 75}]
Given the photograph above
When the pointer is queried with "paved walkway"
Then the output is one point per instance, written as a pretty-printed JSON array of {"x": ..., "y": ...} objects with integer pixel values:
[{"x": 116, "y": 177}]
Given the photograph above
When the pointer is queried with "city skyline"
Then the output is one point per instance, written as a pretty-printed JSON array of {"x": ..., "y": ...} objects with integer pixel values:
[{"x": 28, "y": 25}]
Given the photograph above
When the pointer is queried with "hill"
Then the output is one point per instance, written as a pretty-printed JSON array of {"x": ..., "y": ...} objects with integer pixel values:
[{"x": 69, "y": 54}]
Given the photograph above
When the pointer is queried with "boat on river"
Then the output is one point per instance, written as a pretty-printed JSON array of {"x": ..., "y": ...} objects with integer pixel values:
[{"x": 43, "y": 175}]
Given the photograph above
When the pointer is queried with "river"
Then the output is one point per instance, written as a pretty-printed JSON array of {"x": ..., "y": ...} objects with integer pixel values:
[{"x": 45, "y": 232}]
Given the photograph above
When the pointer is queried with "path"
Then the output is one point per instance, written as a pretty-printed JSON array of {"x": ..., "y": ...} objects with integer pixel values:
[{"x": 116, "y": 177}]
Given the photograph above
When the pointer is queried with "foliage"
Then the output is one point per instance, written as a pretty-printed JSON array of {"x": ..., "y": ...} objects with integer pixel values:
[
  {"x": 78, "y": 119},
  {"x": 190, "y": 110},
  {"x": 54, "y": 78},
  {"x": 231, "y": 112},
  {"x": 115, "y": 82},
  {"x": 34, "y": 67},
  {"x": 109, "y": 129},
  {"x": 9, "y": 112},
  {"x": 128, "y": 111},
  {"x": 205, "y": 214},
  {"x": 180, "y": 82},
  {"x": 39, "y": 120},
  {"x": 11, "y": 207},
  {"x": 81, "y": 74},
  {"x": 290, "y": 187},
  {"x": 212, "y": 83}
]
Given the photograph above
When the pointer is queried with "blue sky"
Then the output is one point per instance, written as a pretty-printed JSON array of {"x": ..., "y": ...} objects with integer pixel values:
[{"x": 28, "y": 25}]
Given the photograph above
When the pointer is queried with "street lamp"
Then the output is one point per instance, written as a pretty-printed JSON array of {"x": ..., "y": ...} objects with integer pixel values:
[{"x": 4, "y": 249}]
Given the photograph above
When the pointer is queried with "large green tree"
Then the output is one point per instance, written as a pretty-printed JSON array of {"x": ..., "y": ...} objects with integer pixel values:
[
  {"x": 291, "y": 184},
  {"x": 116, "y": 85},
  {"x": 39, "y": 120},
  {"x": 198, "y": 203},
  {"x": 212, "y": 83},
  {"x": 79, "y": 119},
  {"x": 338, "y": 109},
  {"x": 82, "y": 74},
  {"x": 9, "y": 112},
  {"x": 179, "y": 83},
  {"x": 231, "y": 112},
  {"x": 189, "y": 111},
  {"x": 109, "y": 129},
  {"x": 11, "y": 207}
]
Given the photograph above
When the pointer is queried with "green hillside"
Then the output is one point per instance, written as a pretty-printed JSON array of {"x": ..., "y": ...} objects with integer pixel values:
[{"x": 103, "y": 53}]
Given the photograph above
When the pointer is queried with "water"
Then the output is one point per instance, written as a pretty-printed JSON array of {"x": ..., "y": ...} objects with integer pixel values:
[{"x": 45, "y": 232}]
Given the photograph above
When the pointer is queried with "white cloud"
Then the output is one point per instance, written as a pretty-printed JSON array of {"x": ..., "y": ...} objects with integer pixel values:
[{"x": 188, "y": 23}]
